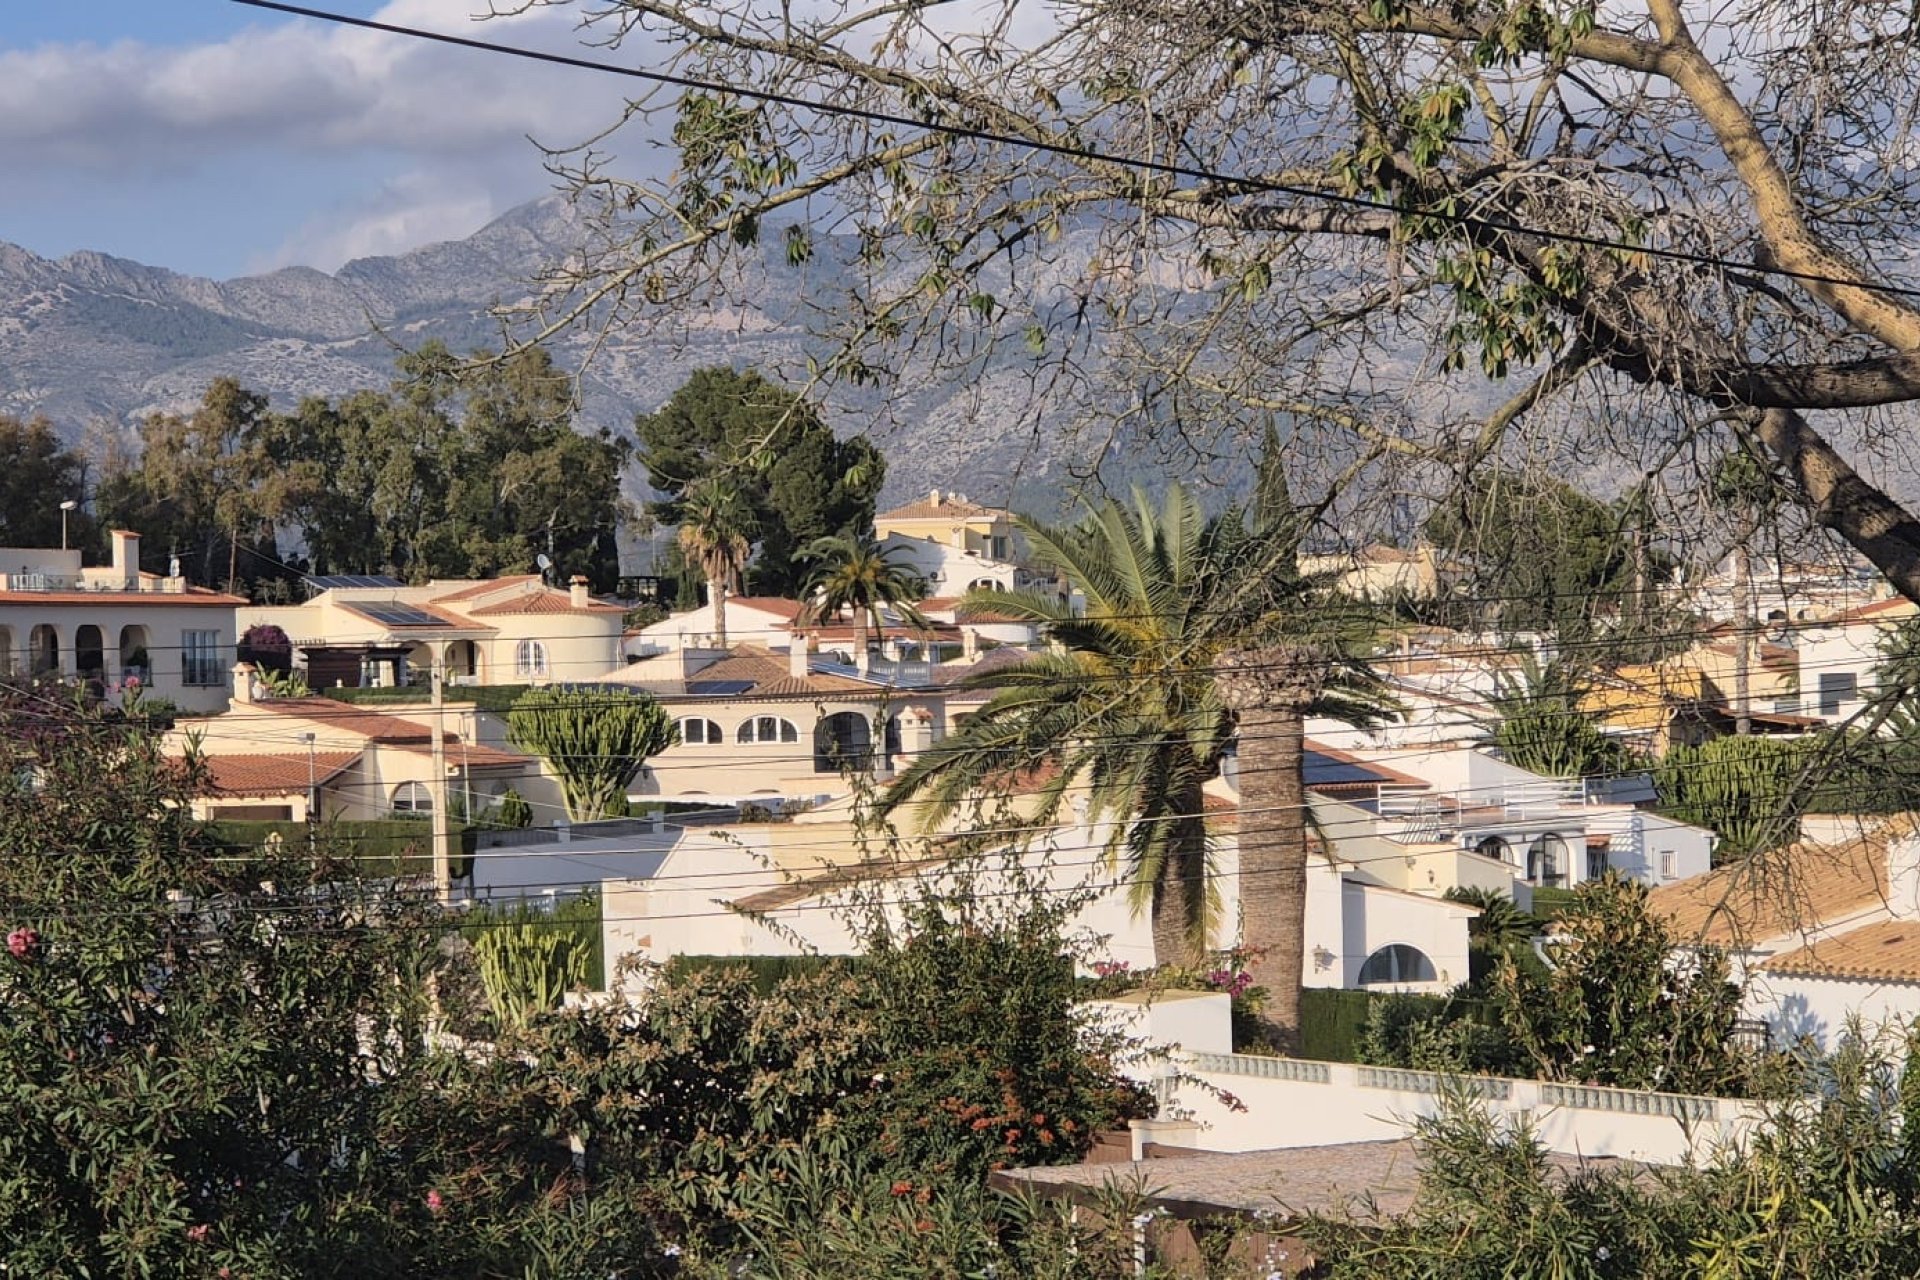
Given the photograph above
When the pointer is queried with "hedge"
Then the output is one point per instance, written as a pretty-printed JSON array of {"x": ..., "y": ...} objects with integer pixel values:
[
  {"x": 766, "y": 972},
  {"x": 378, "y": 849},
  {"x": 487, "y": 697},
  {"x": 1333, "y": 1022}
]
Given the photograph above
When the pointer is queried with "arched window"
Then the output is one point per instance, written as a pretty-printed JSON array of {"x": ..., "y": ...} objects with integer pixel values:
[
  {"x": 530, "y": 658},
  {"x": 89, "y": 651},
  {"x": 1397, "y": 963},
  {"x": 697, "y": 732},
  {"x": 767, "y": 729},
  {"x": 1547, "y": 861},
  {"x": 412, "y": 797},
  {"x": 841, "y": 741},
  {"x": 983, "y": 584},
  {"x": 1495, "y": 847}
]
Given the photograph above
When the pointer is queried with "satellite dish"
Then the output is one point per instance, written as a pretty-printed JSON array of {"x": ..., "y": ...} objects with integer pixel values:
[{"x": 543, "y": 561}]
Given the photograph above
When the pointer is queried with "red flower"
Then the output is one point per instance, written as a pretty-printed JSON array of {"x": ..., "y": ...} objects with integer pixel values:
[
  {"x": 23, "y": 942},
  {"x": 434, "y": 1202},
  {"x": 198, "y": 1232},
  {"x": 902, "y": 1188}
]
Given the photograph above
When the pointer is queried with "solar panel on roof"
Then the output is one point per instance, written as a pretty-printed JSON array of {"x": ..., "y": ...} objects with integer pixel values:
[
  {"x": 1326, "y": 771},
  {"x": 400, "y": 615},
  {"x": 719, "y": 687},
  {"x": 327, "y": 582}
]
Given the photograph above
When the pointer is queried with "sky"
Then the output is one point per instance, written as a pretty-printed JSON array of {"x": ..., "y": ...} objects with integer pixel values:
[{"x": 219, "y": 140}]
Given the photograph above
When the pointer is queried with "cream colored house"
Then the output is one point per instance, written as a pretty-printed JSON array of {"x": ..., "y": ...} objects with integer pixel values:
[
  {"x": 111, "y": 624},
  {"x": 1386, "y": 573},
  {"x": 516, "y": 630},
  {"x": 274, "y": 758},
  {"x": 757, "y": 725}
]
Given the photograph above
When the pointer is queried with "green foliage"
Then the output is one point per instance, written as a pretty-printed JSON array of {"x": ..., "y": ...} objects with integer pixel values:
[
  {"x": 953, "y": 1047},
  {"x": 455, "y": 472},
  {"x": 764, "y": 973},
  {"x": 525, "y": 970},
  {"x": 1740, "y": 787},
  {"x": 1435, "y": 1033},
  {"x": 513, "y": 812},
  {"x": 1615, "y": 1008},
  {"x": 378, "y": 848},
  {"x": 1544, "y": 729},
  {"x": 1823, "y": 1190},
  {"x": 37, "y": 473},
  {"x": 1550, "y": 558},
  {"x": 1501, "y": 930},
  {"x": 1333, "y": 1023},
  {"x": 596, "y": 741},
  {"x": 284, "y": 684},
  {"x": 1126, "y": 706},
  {"x": 213, "y": 1059},
  {"x": 797, "y": 482},
  {"x": 853, "y": 572}
]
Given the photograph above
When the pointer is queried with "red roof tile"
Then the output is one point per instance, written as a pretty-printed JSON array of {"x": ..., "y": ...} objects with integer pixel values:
[
  {"x": 547, "y": 601},
  {"x": 479, "y": 589},
  {"x": 273, "y": 775}
]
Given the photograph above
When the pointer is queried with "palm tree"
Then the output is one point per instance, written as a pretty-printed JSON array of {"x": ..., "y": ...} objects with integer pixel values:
[
  {"x": 855, "y": 572},
  {"x": 715, "y": 534},
  {"x": 1125, "y": 704}
]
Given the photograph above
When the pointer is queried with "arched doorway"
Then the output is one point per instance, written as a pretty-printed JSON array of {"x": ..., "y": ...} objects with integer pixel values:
[
  {"x": 89, "y": 653},
  {"x": 135, "y": 661},
  {"x": 463, "y": 662},
  {"x": 43, "y": 647},
  {"x": 843, "y": 740}
]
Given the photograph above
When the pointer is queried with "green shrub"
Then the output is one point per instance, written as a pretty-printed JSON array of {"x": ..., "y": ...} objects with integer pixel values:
[{"x": 1333, "y": 1023}]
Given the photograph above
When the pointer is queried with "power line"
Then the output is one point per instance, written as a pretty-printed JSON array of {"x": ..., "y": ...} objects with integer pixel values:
[{"x": 1163, "y": 167}]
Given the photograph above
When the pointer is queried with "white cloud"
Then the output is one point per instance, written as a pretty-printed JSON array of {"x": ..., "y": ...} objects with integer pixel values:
[
  {"x": 412, "y": 210},
  {"x": 299, "y": 84}
]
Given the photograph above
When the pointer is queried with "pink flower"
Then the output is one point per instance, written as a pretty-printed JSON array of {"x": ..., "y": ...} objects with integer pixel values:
[
  {"x": 435, "y": 1203},
  {"x": 198, "y": 1232},
  {"x": 131, "y": 684},
  {"x": 23, "y": 942}
]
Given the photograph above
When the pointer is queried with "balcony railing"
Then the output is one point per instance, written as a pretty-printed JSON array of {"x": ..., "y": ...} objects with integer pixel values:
[{"x": 49, "y": 583}]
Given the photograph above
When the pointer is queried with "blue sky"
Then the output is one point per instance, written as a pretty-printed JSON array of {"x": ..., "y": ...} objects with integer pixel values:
[{"x": 216, "y": 139}]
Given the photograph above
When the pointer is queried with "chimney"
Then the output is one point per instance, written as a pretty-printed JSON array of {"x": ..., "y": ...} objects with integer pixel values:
[
  {"x": 126, "y": 558},
  {"x": 935, "y": 497},
  {"x": 797, "y": 653},
  {"x": 577, "y": 588},
  {"x": 244, "y": 685},
  {"x": 969, "y": 643},
  {"x": 863, "y": 659}
]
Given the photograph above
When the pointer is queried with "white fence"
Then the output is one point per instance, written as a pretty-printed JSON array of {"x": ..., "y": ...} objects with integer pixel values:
[{"x": 1290, "y": 1103}]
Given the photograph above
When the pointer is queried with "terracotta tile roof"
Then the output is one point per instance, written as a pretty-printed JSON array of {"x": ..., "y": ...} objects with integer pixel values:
[
  {"x": 1889, "y": 949},
  {"x": 273, "y": 775},
  {"x": 939, "y": 506},
  {"x": 462, "y": 754},
  {"x": 544, "y": 601},
  {"x": 480, "y": 589},
  {"x": 799, "y": 890},
  {"x": 778, "y": 606},
  {"x": 1894, "y": 606},
  {"x": 372, "y": 725},
  {"x": 951, "y": 673},
  {"x": 769, "y": 676},
  {"x": 1383, "y": 775},
  {"x": 192, "y": 598},
  {"x": 1785, "y": 891}
]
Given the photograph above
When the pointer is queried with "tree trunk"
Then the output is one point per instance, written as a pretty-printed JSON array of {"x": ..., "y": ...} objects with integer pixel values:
[
  {"x": 1269, "y": 689},
  {"x": 1743, "y": 646},
  {"x": 717, "y": 591},
  {"x": 1179, "y": 892}
]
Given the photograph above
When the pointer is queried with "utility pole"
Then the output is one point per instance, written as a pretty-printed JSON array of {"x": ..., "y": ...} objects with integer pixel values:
[
  {"x": 1743, "y": 621},
  {"x": 437, "y": 787}
]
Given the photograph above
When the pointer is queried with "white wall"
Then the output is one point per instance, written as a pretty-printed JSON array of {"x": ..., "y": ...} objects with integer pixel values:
[{"x": 1818, "y": 1009}]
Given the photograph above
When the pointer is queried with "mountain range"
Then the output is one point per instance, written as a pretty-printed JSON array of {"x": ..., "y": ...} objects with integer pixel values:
[{"x": 91, "y": 340}]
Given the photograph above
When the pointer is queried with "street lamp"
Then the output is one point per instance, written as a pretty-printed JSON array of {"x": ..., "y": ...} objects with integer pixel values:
[{"x": 65, "y": 507}]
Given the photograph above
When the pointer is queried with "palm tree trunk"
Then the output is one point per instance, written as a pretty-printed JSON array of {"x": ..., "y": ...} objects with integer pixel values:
[
  {"x": 1178, "y": 914},
  {"x": 716, "y": 588},
  {"x": 1269, "y": 690}
]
